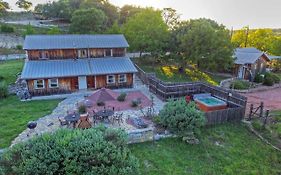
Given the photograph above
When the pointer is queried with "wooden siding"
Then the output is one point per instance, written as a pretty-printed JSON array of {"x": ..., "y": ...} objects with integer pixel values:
[
  {"x": 72, "y": 53},
  {"x": 91, "y": 82},
  {"x": 101, "y": 81}
]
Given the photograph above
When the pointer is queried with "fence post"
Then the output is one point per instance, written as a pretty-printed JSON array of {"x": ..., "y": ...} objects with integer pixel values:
[
  {"x": 261, "y": 109},
  {"x": 265, "y": 119},
  {"x": 251, "y": 112}
]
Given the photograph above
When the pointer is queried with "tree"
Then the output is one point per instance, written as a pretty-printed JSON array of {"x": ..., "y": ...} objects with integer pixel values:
[
  {"x": 94, "y": 151},
  {"x": 128, "y": 11},
  {"x": 146, "y": 31},
  {"x": 4, "y": 6},
  {"x": 171, "y": 17},
  {"x": 24, "y": 4},
  {"x": 29, "y": 30},
  {"x": 181, "y": 118},
  {"x": 114, "y": 29},
  {"x": 205, "y": 43},
  {"x": 88, "y": 20}
]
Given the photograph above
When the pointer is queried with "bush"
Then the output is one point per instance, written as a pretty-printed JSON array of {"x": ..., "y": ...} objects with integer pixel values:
[
  {"x": 3, "y": 90},
  {"x": 136, "y": 102},
  {"x": 268, "y": 79},
  {"x": 240, "y": 84},
  {"x": 182, "y": 118},
  {"x": 93, "y": 151},
  {"x": 259, "y": 78},
  {"x": 100, "y": 103},
  {"x": 1, "y": 78},
  {"x": 82, "y": 109},
  {"x": 19, "y": 47},
  {"x": 122, "y": 97},
  {"x": 275, "y": 78},
  {"x": 7, "y": 29}
]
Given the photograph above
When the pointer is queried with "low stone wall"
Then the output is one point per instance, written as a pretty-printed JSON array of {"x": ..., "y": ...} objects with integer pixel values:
[{"x": 140, "y": 135}]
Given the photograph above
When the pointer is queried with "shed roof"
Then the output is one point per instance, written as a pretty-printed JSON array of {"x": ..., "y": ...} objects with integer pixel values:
[
  {"x": 45, "y": 42},
  {"x": 79, "y": 67},
  {"x": 248, "y": 55}
]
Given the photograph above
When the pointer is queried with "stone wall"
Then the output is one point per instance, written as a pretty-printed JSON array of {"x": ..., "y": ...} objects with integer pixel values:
[{"x": 140, "y": 135}]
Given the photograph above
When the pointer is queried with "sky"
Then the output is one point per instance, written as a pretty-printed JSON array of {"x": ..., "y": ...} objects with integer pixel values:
[{"x": 231, "y": 13}]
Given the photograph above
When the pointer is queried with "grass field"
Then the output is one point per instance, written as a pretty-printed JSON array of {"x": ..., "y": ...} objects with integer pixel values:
[
  {"x": 224, "y": 149},
  {"x": 15, "y": 114}
]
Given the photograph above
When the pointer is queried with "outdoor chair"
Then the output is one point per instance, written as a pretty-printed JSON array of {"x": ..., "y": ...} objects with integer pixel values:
[
  {"x": 117, "y": 118},
  {"x": 84, "y": 123},
  {"x": 62, "y": 121}
]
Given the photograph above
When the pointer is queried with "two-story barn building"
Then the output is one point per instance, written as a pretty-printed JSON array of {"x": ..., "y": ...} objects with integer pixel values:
[{"x": 66, "y": 63}]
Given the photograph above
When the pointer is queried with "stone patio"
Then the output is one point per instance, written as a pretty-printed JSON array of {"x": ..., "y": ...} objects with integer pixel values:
[{"x": 50, "y": 123}]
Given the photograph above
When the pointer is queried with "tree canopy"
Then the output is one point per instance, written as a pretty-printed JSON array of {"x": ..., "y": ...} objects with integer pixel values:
[
  {"x": 205, "y": 43},
  {"x": 24, "y": 4},
  {"x": 146, "y": 31},
  {"x": 88, "y": 20},
  {"x": 4, "y": 6},
  {"x": 263, "y": 39}
]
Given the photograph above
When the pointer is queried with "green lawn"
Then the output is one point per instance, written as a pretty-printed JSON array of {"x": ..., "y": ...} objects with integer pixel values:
[
  {"x": 15, "y": 114},
  {"x": 237, "y": 152},
  {"x": 10, "y": 69}
]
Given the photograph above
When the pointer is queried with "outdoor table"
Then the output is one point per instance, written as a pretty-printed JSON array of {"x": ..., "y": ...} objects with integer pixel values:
[
  {"x": 72, "y": 118},
  {"x": 105, "y": 114}
]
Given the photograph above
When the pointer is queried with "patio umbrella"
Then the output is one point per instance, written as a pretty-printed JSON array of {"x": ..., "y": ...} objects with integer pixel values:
[{"x": 103, "y": 95}]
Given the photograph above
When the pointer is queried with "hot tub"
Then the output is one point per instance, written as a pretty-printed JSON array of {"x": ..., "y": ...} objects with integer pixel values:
[{"x": 208, "y": 103}]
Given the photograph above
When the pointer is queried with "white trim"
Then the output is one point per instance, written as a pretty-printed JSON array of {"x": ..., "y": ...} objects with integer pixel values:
[
  {"x": 107, "y": 78},
  {"x": 125, "y": 78},
  {"x": 36, "y": 84},
  {"x": 95, "y": 82},
  {"x": 111, "y": 52},
  {"x": 43, "y": 54},
  {"x": 57, "y": 82}
]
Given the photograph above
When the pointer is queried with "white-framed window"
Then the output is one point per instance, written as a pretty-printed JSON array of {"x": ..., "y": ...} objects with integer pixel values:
[
  {"x": 53, "y": 83},
  {"x": 82, "y": 53},
  {"x": 122, "y": 78},
  {"x": 39, "y": 84},
  {"x": 110, "y": 79},
  {"x": 43, "y": 55}
]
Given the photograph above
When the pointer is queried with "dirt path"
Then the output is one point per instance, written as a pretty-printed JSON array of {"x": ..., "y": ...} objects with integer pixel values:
[{"x": 271, "y": 99}]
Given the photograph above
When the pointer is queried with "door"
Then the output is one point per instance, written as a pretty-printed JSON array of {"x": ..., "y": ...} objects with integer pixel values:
[
  {"x": 82, "y": 82},
  {"x": 241, "y": 72}
]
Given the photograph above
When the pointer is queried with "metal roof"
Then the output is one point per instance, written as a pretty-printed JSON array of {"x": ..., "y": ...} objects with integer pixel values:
[
  {"x": 45, "y": 42},
  {"x": 79, "y": 67},
  {"x": 112, "y": 65},
  {"x": 247, "y": 55},
  {"x": 55, "y": 68}
]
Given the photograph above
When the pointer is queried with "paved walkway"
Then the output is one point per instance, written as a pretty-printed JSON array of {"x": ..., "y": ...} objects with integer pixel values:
[
  {"x": 271, "y": 99},
  {"x": 50, "y": 123}
]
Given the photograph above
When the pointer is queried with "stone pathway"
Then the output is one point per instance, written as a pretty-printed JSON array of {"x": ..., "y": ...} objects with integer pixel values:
[{"x": 50, "y": 123}]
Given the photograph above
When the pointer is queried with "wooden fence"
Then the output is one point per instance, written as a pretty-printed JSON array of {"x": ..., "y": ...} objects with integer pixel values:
[{"x": 166, "y": 90}]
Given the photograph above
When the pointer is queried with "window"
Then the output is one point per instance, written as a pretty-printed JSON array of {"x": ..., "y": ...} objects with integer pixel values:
[
  {"x": 82, "y": 53},
  {"x": 53, "y": 83},
  {"x": 39, "y": 84},
  {"x": 108, "y": 52},
  {"x": 43, "y": 55},
  {"x": 110, "y": 79},
  {"x": 122, "y": 78}
]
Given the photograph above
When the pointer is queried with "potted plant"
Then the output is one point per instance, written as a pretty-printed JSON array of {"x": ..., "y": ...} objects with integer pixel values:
[{"x": 82, "y": 110}]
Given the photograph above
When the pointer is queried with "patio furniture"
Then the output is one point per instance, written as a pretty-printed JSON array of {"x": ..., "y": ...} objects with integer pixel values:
[
  {"x": 62, "y": 121},
  {"x": 105, "y": 114},
  {"x": 72, "y": 118},
  {"x": 84, "y": 122},
  {"x": 117, "y": 118}
]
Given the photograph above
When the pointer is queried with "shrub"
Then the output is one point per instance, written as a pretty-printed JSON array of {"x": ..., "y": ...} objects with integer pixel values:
[
  {"x": 240, "y": 84},
  {"x": 275, "y": 78},
  {"x": 1, "y": 78},
  {"x": 3, "y": 90},
  {"x": 182, "y": 118},
  {"x": 7, "y": 29},
  {"x": 100, "y": 103},
  {"x": 258, "y": 78},
  {"x": 136, "y": 102},
  {"x": 19, "y": 47},
  {"x": 82, "y": 109},
  {"x": 122, "y": 97},
  {"x": 93, "y": 151},
  {"x": 268, "y": 79}
]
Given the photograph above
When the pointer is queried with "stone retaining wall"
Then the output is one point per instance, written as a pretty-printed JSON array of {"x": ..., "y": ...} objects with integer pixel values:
[{"x": 140, "y": 135}]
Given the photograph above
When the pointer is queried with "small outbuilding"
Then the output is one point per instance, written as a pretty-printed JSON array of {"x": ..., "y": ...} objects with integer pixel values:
[{"x": 248, "y": 62}]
